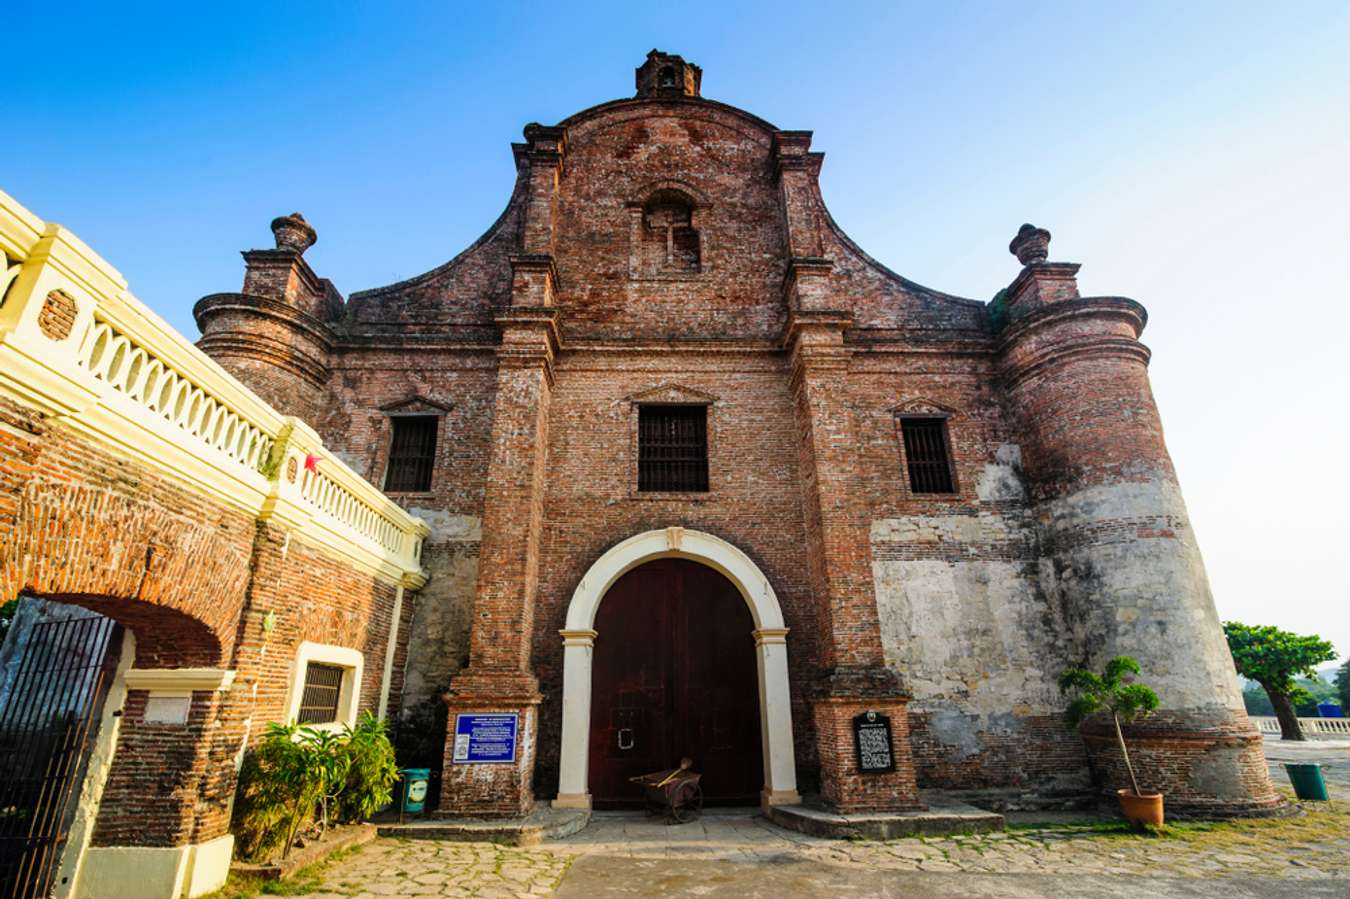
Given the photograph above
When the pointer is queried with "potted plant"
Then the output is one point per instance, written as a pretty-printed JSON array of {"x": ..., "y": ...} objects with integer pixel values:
[{"x": 1114, "y": 691}]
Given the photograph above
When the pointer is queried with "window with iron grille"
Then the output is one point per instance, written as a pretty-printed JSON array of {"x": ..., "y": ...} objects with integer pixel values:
[
  {"x": 323, "y": 688},
  {"x": 412, "y": 452},
  {"x": 928, "y": 455},
  {"x": 673, "y": 448}
]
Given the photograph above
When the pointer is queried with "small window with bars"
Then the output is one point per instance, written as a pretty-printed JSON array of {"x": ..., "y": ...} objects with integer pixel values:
[
  {"x": 928, "y": 455},
  {"x": 412, "y": 453},
  {"x": 323, "y": 689},
  {"x": 673, "y": 449}
]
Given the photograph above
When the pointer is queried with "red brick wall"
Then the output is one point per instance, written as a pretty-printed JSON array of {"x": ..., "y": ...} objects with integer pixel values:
[
  {"x": 82, "y": 526},
  {"x": 591, "y": 500}
]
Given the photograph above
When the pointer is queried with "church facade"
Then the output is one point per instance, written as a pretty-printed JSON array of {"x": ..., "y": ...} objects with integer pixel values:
[{"x": 705, "y": 480}]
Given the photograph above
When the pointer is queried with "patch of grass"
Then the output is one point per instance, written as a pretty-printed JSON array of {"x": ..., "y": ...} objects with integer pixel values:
[
  {"x": 1321, "y": 821},
  {"x": 238, "y": 886},
  {"x": 308, "y": 879},
  {"x": 1318, "y": 823}
]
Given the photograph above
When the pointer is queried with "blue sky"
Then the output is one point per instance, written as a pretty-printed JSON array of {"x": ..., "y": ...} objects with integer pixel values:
[{"x": 1192, "y": 156}]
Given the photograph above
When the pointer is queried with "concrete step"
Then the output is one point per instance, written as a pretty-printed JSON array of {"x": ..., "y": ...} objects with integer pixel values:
[
  {"x": 943, "y": 815},
  {"x": 544, "y": 823}
]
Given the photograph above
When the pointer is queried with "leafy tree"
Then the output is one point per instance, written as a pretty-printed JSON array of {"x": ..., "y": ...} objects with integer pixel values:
[
  {"x": 1319, "y": 691},
  {"x": 1273, "y": 658},
  {"x": 1111, "y": 692},
  {"x": 296, "y": 770},
  {"x": 279, "y": 788},
  {"x": 331, "y": 762}
]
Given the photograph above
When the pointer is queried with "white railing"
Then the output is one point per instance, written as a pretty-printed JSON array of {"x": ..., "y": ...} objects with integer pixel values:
[
  {"x": 76, "y": 344},
  {"x": 120, "y": 362},
  {"x": 1312, "y": 727},
  {"x": 343, "y": 504}
]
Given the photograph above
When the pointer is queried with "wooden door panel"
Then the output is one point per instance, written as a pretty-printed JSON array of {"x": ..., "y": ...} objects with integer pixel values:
[{"x": 674, "y": 675}]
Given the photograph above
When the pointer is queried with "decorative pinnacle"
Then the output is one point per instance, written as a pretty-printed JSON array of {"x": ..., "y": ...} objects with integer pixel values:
[
  {"x": 292, "y": 232},
  {"x": 1031, "y": 244}
]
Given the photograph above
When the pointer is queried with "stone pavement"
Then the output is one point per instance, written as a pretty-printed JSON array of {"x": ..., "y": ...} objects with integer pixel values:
[{"x": 740, "y": 855}]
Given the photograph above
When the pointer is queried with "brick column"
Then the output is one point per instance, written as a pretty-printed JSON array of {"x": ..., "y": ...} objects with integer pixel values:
[
  {"x": 498, "y": 679},
  {"x": 1118, "y": 552},
  {"x": 855, "y": 678}
]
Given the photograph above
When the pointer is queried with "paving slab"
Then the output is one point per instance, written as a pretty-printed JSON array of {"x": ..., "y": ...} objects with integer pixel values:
[{"x": 602, "y": 877}]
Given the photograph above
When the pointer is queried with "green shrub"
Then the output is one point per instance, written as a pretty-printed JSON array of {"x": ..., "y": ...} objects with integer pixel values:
[
  {"x": 373, "y": 770},
  {"x": 279, "y": 787},
  {"x": 296, "y": 771}
]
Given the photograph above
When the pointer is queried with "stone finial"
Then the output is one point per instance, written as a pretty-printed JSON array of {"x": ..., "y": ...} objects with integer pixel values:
[
  {"x": 1031, "y": 244},
  {"x": 292, "y": 232}
]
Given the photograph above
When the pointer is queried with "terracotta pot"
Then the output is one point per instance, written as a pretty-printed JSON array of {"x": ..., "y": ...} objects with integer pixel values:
[{"x": 1143, "y": 808}]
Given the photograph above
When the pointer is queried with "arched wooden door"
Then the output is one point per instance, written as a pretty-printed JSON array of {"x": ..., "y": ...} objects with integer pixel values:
[{"x": 674, "y": 675}]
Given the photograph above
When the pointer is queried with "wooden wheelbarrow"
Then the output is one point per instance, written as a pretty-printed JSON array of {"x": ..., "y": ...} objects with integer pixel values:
[{"x": 675, "y": 794}]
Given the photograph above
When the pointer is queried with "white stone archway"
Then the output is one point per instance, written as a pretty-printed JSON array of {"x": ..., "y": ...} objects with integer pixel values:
[{"x": 775, "y": 711}]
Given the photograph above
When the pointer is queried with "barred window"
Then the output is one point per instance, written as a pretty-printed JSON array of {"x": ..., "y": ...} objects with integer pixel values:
[
  {"x": 673, "y": 448},
  {"x": 927, "y": 455},
  {"x": 412, "y": 453},
  {"x": 323, "y": 688}
]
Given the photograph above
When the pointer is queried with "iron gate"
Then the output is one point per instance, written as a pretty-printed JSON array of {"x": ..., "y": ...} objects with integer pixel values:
[{"x": 47, "y": 730}]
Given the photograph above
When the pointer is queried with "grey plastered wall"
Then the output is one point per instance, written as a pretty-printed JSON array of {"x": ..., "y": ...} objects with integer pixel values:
[
  {"x": 1122, "y": 562},
  {"x": 439, "y": 643},
  {"x": 978, "y": 643}
]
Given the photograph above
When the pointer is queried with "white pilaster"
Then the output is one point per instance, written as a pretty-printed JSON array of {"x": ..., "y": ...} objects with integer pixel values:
[
  {"x": 573, "y": 792},
  {"x": 775, "y": 718}
]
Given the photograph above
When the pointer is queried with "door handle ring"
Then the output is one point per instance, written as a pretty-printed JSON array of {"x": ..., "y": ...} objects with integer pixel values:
[{"x": 629, "y": 732}]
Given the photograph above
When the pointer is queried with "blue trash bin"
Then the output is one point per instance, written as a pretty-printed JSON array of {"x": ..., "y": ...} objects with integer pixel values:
[{"x": 1329, "y": 710}]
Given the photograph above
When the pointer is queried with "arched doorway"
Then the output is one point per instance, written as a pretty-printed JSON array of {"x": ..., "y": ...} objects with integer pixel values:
[
  {"x": 674, "y": 675},
  {"x": 769, "y": 655}
]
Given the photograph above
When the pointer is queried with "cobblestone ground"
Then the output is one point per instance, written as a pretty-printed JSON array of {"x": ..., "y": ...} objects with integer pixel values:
[
  {"x": 621, "y": 855},
  {"x": 397, "y": 867}
]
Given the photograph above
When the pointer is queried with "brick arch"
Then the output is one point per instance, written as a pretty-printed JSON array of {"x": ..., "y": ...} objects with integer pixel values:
[
  {"x": 780, "y": 767},
  {"x": 165, "y": 637},
  {"x": 176, "y": 579}
]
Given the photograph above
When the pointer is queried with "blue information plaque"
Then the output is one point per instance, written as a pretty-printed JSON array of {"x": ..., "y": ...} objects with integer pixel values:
[{"x": 485, "y": 739}]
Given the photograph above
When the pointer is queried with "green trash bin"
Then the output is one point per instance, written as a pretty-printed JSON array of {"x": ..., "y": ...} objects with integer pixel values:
[
  {"x": 415, "y": 788},
  {"x": 1307, "y": 780}
]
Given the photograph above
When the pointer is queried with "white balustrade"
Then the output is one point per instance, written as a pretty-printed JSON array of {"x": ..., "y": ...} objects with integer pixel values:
[
  {"x": 1333, "y": 728},
  {"x": 340, "y": 502},
  {"x": 127, "y": 367},
  {"x": 125, "y": 379}
]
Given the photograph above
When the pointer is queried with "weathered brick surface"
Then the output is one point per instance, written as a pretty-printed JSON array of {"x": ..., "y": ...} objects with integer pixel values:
[
  {"x": 806, "y": 352},
  {"x": 1204, "y": 768},
  {"x": 86, "y": 527},
  {"x": 842, "y": 785},
  {"x": 58, "y": 315}
]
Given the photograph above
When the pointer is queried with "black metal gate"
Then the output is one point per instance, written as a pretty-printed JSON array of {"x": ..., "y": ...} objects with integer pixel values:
[{"x": 47, "y": 730}]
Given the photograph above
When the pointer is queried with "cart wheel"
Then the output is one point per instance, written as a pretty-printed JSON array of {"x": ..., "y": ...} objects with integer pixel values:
[{"x": 686, "y": 802}]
